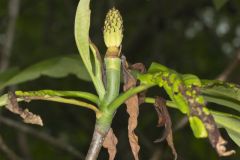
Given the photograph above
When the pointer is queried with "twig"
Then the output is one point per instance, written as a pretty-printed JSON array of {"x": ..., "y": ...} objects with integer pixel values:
[
  {"x": 230, "y": 68},
  {"x": 4, "y": 60},
  {"x": 7, "y": 151},
  {"x": 43, "y": 136},
  {"x": 7, "y": 47},
  {"x": 96, "y": 144},
  {"x": 181, "y": 124},
  {"x": 23, "y": 145}
]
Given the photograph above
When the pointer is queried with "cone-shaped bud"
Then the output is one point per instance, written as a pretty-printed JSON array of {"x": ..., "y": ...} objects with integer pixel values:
[{"x": 113, "y": 29}]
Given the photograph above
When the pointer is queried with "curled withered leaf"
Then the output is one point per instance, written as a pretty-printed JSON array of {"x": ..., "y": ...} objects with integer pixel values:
[
  {"x": 221, "y": 148},
  {"x": 110, "y": 143},
  {"x": 26, "y": 115},
  {"x": 139, "y": 67},
  {"x": 29, "y": 117},
  {"x": 198, "y": 109},
  {"x": 142, "y": 69},
  {"x": 133, "y": 111},
  {"x": 214, "y": 135},
  {"x": 164, "y": 119}
]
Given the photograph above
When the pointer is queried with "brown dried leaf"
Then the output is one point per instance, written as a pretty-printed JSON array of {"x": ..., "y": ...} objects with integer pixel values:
[
  {"x": 214, "y": 135},
  {"x": 142, "y": 69},
  {"x": 138, "y": 66},
  {"x": 110, "y": 143},
  {"x": 221, "y": 148},
  {"x": 165, "y": 119},
  {"x": 26, "y": 115},
  {"x": 29, "y": 117},
  {"x": 133, "y": 111},
  {"x": 169, "y": 139}
]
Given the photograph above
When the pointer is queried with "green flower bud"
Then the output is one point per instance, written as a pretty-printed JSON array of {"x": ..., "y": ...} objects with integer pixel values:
[{"x": 113, "y": 30}]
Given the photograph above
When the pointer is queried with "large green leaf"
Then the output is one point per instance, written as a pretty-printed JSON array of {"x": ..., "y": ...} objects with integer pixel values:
[
  {"x": 55, "y": 67},
  {"x": 6, "y": 75},
  {"x": 213, "y": 87},
  {"x": 81, "y": 32},
  {"x": 225, "y": 94},
  {"x": 234, "y": 136},
  {"x": 231, "y": 123},
  {"x": 230, "y": 103}
]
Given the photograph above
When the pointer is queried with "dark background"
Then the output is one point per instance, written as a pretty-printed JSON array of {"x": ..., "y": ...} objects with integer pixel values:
[{"x": 188, "y": 36}]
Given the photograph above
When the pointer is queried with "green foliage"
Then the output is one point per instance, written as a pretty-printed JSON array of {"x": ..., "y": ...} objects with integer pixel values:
[
  {"x": 198, "y": 127},
  {"x": 157, "y": 74},
  {"x": 81, "y": 32},
  {"x": 225, "y": 94},
  {"x": 213, "y": 91},
  {"x": 231, "y": 123},
  {"x": 55, "y": 68}
]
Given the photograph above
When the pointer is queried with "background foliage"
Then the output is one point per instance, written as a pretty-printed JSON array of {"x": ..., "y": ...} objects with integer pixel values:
[{"x": 189, "y": 36}]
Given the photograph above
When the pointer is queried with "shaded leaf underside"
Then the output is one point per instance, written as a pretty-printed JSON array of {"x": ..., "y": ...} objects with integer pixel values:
[{"x": 56, "y": 68}]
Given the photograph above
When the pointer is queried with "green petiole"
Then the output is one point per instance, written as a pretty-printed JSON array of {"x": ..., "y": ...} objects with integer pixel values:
[
  {"x": 78, "y": 94},
  {"x": 66, "y": 101},
  {"x": 124, "y": 96},
  {"x": 152, "y": 101},
  {"x": 56, "y": 96}
]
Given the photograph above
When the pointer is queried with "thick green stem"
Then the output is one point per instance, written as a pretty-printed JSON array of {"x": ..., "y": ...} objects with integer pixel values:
[
  {"x": 113, "y": 66},
  {"x": 103, "y": 123}
]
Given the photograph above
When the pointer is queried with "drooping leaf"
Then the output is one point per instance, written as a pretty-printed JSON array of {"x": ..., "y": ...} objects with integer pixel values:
[
  {"x": 26, "y": 115},
  {"x": 55, "y": 68},
  {"x": 165, "y": 119},
  {"x": 219, "y": 3},
  {"x": 214, "y": 87},
  {"x": 81, "y": 32},
  {"x": 183, "y": 90},
  {"x": 234, "y": 136},
  {"x": 230, "y": 122},
  {"x": 222, "y": 93},
  {"x": 110, "y": 143},
  {"x": 222, "y": 120},
  {"x": 9, "y": 73},
  {"x": 230, "y": 103},
  {"x": 133, "y": 110}
]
